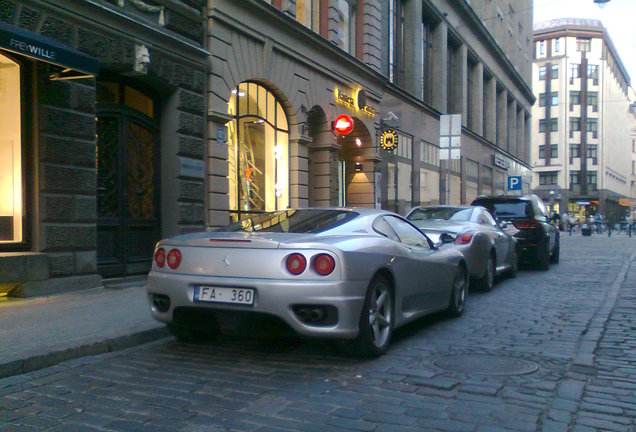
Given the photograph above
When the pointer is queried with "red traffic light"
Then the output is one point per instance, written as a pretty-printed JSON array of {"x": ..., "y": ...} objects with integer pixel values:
[{"x": 343, "y": 124}]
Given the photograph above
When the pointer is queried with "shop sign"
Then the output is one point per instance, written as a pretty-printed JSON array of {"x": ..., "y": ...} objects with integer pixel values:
[
  {"x": 389, "y": 139},
  {"x": 356, "y": 102},
  {"x": 500, "y": 161},
  {"x": 35, "y": 46},
  {"x": 193, "y": 168},
  {"x": 343, "y": 124}
]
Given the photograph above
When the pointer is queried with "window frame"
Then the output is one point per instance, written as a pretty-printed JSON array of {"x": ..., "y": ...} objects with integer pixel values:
[{"x": 27, "y": 94}]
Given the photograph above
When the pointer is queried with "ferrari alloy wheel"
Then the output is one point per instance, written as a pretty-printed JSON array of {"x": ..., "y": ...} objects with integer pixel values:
[
  {"x": 458, "y": 293},
  {"x": 376, "y": 319}
]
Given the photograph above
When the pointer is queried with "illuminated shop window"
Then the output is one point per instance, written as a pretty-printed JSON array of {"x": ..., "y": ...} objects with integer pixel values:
[
  {"x": 10, "y": 153},
  {"x": 258, "y": 153}
]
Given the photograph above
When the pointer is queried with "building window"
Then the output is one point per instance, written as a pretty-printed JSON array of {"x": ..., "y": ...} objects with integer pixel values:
[
  {"x": 11, "y": 193},
  {"x": 575, "y": 98},
  {"x": 592, "y": 100},
  {"x": 575, "y": 125},
  {"x": 553, "y": 124},
  {"x": 554, "y": 71},
  {"x": 592, "y": 151},
  {"x": 592, "y": 73},
  {"x": 554, "y": 99},
  {"x": 575, "y": 177},
  {"x": 542, "y": 48},
  {"x": 258, "y": 152},
  {"x": 425, "y": 60},
  {"x": 583, "y": 45},
  {"x": 575, "y": 151},
  {"x": 592, "y": 178},
  {"x": 557, "y": 45},
  {"x": 308, "y": 14},
  {"x": 429, "y": 153},
  {"x": 542, "y": 124},
  {"x": 396, "y": 41},
  {"x": 554, "y": 151},
  {"x": 575, "y": 72},
  {"x": 548, "y": 178},
  {"x": 542, "y": 70},
  {"x": 346, "y": 25},
  {"x": 592, "y": 126},
  {"x": 542, "y": 99}
]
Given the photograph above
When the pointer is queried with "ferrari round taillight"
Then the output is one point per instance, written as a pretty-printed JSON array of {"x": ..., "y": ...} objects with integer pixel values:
[
  {"x": 324, "y": 264},
  {"x": 463, "y": 239},
  {"x": 296, "y": 263},
  {"x": 160, "y": 257},
  {"x": 174, "y": 258}
]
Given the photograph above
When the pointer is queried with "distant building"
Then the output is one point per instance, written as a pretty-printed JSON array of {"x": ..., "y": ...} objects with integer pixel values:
[{"x": 581, "y": 121}]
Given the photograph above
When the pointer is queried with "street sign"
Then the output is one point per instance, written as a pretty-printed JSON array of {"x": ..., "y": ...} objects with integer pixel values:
[
  {"x": 450, "y": 130},
  {"x": 389, "y": 140},
  {"x": 514, "y": 183}
]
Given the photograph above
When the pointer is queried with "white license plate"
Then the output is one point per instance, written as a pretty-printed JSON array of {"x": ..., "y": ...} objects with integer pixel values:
[{"x": 211, "y": 294}]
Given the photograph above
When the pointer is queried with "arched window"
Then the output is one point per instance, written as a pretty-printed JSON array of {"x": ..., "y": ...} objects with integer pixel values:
[
  {"x": 258, "y": 152},
  {"x": 10, "y": 153}
]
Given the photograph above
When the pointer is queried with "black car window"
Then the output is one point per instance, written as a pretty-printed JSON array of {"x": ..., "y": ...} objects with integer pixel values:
[
  {"x": 294, "y": 221},
  {"x": 516, "y": 209},
  {"x": 408, "y": 234}
]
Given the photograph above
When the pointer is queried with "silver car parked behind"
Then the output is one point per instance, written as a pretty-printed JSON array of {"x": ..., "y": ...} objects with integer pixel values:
[
  {"x": 487, "y": 248},
  {"x": 349, "y": 274}
]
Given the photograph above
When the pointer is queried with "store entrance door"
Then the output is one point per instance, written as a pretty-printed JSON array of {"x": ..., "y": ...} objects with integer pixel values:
[{"x": 127, "y": 191}]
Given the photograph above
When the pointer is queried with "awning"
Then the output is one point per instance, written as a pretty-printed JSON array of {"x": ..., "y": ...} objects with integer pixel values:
[
  {"x": 73, "y": 63},
  {"x": 625, "y": 202}
]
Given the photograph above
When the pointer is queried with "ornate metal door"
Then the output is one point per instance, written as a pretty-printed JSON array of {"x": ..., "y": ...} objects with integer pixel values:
[{"x": 127, "y": 193}]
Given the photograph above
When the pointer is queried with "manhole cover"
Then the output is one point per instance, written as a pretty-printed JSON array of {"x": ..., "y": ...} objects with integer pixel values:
[{"x": 480, "y": 364}]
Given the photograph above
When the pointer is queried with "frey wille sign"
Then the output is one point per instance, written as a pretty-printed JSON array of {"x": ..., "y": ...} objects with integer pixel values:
[
  {"x": 30, "y": 49},
  {"x": 23, "y": 42}
]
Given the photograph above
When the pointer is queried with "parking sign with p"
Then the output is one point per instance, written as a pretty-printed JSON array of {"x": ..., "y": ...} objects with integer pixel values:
[{"x": 514, "y": 183}]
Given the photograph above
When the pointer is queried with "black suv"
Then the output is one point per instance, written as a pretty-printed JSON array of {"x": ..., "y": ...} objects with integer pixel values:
[{"x": 537, "y": 237}]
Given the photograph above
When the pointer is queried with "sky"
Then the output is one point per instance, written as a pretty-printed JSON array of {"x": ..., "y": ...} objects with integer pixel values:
[{"x": 617, "y": 16}]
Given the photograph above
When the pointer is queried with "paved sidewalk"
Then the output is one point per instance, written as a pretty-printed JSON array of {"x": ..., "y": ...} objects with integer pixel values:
[{"x": 43, "y": 331}]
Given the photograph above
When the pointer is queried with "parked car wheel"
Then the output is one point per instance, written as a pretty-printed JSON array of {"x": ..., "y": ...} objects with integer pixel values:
[
  {"x": 487, "y": 281},
  {"x": 376, "y": 319},
  {"x": 554, "y": 257},
  {"x": 543, "y": 257},
  {"x": 514, "y": 265},
  {"x": 458, "y": 294}
]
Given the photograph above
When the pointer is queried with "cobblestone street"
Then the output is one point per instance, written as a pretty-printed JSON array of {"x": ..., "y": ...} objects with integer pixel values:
[{"x": 545, "y": 351}]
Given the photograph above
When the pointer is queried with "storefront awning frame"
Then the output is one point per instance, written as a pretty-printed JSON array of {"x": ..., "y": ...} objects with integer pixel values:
[{"x": 73, "y": 64}]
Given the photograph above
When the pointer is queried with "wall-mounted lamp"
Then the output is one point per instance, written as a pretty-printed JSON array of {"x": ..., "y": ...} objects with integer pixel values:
[
  {"x": 358, "y": 142},
  {"x": 358, "y": 167}
]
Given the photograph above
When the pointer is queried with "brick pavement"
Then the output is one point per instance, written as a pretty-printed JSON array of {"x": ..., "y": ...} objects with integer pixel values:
[{"x": 546, "y": 351}]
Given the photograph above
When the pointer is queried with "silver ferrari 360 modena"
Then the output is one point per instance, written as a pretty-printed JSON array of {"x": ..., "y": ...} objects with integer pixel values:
[{"x": 348, "y": 274}]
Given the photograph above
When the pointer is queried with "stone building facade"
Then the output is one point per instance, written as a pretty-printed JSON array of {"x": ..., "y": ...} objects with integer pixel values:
[
  {"x": 106, "y": 137},
  {"x": 581, "y": 127},
  {"x": 393, "y": 67}
]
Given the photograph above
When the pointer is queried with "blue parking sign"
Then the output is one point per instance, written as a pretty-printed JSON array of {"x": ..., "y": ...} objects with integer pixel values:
[{"x": 514, "y": 183}]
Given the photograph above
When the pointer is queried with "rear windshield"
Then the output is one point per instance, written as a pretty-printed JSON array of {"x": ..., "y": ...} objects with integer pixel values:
[
  {"x": 441, "y": 213},
  {"x": 508, "y": 209},
  {"x": 293, "y": 221}
]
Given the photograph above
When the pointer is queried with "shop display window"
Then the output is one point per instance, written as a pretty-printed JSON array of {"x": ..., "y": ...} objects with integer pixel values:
[
  {"x": 258, "y": 152},
  {"x": 11, "y": 200}
]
